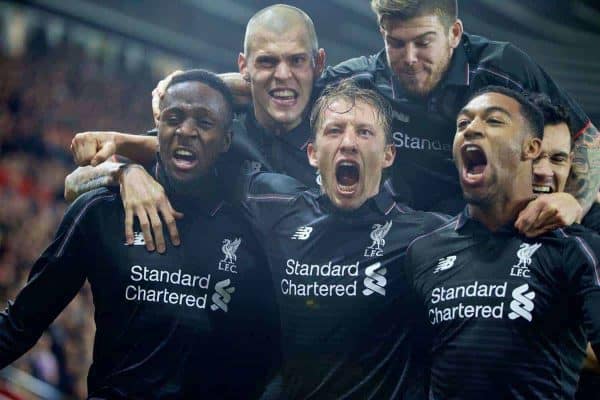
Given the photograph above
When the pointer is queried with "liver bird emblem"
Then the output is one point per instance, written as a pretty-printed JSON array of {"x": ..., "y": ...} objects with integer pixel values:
[
  {"x": 378, "y": 235},
  {"x": 229, "y": 248}
]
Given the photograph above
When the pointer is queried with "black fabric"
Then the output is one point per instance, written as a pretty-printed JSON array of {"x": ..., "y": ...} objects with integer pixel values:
[
  {"x": 424, "y": 175},
  {"x": 255, "y": 149},
  {"x": 592, "y": 218},
  {"x": 347, "y": 326},
  {"x": 165, "y": 327},
  {"x": 508, "y": 315}
]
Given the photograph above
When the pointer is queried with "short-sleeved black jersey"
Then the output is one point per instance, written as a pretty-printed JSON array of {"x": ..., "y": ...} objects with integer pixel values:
[
  {"x": 508, "y": 315},
  {"x": 423, "y": 130},
  {"x": 346, "y": 320},
  {"x": 195, "y": 322}
]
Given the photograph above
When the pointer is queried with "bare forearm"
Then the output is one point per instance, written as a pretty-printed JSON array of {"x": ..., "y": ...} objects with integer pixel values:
[
  {"x": 584, "y": 180},
  {"x": 87, "y": 178},
  {"x": 138, "y": 148}
]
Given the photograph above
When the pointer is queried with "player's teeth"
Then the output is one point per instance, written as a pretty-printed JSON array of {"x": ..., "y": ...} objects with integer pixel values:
[
  {"x": 184, "y": 153},
  {"x": 544, "y": 189},
  {"x": 283, "y": 93}
]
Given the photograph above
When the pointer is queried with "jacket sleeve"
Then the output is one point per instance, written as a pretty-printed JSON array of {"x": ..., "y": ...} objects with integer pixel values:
[
  {"x": 583, "y": 276},
  {"x": 54, "y": 280}
]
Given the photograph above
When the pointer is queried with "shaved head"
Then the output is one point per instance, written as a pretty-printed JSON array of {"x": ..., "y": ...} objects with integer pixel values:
[{"x": 279, "y": 19}]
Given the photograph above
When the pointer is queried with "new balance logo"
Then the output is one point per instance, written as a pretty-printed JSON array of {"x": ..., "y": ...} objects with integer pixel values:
[
  {"x": 222, "y": 295},
  {"x": 375, "y": 279},
  {"x": 521, "y": 305},
  {"x": 138, "y": 239},
  {"x": 444, "y": 264},
  {"x": 302, "y": 233}
]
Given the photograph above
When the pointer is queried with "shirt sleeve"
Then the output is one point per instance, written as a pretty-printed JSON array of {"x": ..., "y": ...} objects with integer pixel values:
[
  {"x": 359, "y": 69},
  {"x": 264, "y": 195},
  {"x": 54, "y": 280},
  {"x": 583, "y": 276}
]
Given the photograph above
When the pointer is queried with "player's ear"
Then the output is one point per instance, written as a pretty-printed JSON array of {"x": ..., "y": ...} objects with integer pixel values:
[
  {"x": 320, "y": 60},
  {"x": 243, "y": 66},
  {"x": 311, "y": 151},
  {"x": 227, "y": 140},
  {"x": 532, "y": 148},
  {"x": 389, "y": 155},
  {"x": 455, "y": 33}
]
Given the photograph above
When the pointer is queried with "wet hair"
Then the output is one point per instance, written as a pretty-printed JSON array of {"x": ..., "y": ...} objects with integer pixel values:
[
  {"x": 554, "y": 114},
  {"x": 530, "y": 112},
  {"x": 209, "y": 79},
  {"x": 446, "y": 10},
  {"x": 352, "y": 93},
  {"x": 281, "y": 25}
]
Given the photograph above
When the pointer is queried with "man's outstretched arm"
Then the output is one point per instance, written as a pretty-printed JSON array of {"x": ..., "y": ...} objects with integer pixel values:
[{"x": 94, "y": 148}]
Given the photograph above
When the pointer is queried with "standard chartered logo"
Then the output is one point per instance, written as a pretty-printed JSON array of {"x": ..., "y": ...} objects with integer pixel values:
[
  {"x": 375, "y": 280},
  {"x": 222, "y": 295},
  {"x": 522, "y": 304}
]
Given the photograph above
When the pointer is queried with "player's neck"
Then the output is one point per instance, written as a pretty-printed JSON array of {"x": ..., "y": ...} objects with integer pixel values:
[
  {"x": 499, "y": 213},
  {"x": 275, "y": 127}
]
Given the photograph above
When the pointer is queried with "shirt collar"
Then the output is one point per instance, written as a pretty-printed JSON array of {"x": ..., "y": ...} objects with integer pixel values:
[
  {"x": 208, "y": 203},
  {"x": 299, "y": 137},
  {"x": 458, "y": 71},
  {"x": 382, "y": 203},
  {"x": 466, "y": 223}
]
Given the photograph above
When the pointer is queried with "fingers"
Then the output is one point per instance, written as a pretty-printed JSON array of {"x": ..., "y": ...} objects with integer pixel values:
[
  {"x": 159, "y": 91},
  {"x": 157, "y": 229},
  {"x": 128, "y": 226},
  {"x": 107, "y": 150},
  {"x": 528, "y": 216},
  {"x": 83, "y": 148},
  {"x": 169, "y": 215},
  {"x": 140, "y": 213}
]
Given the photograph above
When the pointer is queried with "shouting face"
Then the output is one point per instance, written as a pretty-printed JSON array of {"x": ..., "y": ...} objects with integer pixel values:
[
  {"x": 192, "y": 130},
  {"x": 350, "y": 151}
]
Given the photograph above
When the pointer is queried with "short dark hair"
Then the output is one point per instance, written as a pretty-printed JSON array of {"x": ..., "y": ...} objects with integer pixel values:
[
  {"x": 554, "y": 114},
  {"x": 532, "y": 114},
  {"x": 446, "y": 10},
  {"x": 209, "y": 79},
  {"x": 351, "y": 92}
]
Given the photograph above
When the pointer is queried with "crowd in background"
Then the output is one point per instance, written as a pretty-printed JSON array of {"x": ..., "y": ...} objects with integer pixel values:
[{"x": 46, "y": 95}]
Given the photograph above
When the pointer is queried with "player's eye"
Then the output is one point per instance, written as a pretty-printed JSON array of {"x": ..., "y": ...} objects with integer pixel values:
[
  {"x": 266, "y": 62},
  {"x": 462, "y": 123},
  {"x": 495, "y": 121},
  {"x": 298, "y": 60}
]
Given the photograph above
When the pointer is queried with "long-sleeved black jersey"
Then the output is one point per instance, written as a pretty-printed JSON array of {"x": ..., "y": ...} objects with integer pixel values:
[
  {"x": 508, "y": 315},
  {"x": 196, "y": 322},
  {"x": 346, "y": 321},
  {"x": 423, "y": 172}
]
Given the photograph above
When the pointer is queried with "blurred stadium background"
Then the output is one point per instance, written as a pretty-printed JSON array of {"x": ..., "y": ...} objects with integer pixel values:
[{"x": 68, "y": 66}]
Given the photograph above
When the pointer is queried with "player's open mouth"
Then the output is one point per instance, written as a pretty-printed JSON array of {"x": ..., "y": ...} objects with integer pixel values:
[
  {"x": 542, "y": 189},
  {"x": 474, "y": 164},
  {"x": 185, "y": 158},
  {"x": 347, "y": 175},
  {"x": 286, "y": 97}
]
